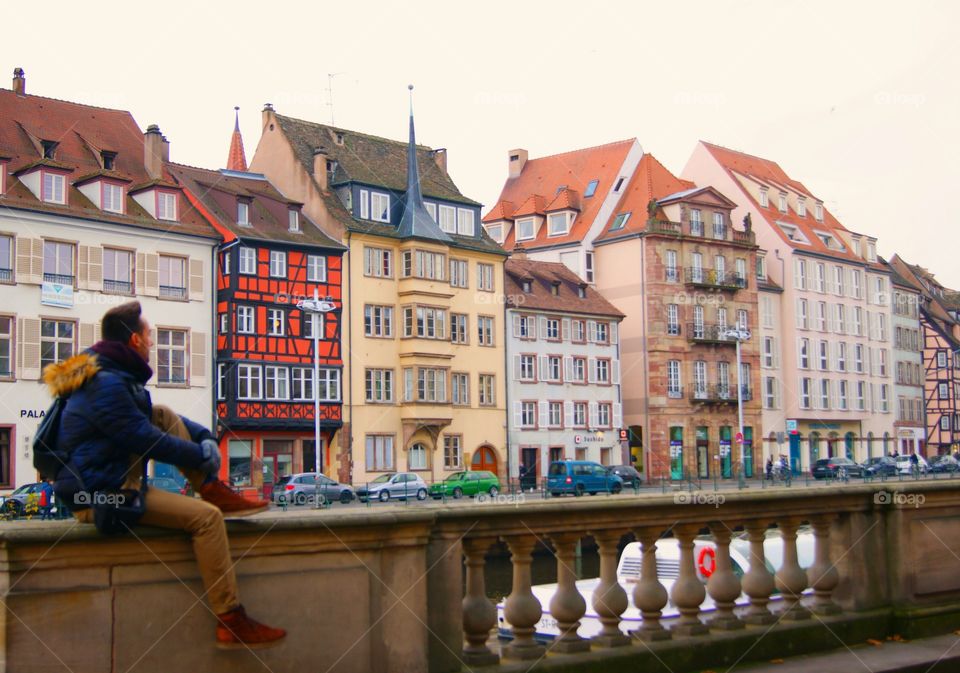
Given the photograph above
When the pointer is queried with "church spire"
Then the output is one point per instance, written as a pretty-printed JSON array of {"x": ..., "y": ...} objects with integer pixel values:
[
  {"x": 416, "y": 220},
  {"x": 236, "y": 160}
]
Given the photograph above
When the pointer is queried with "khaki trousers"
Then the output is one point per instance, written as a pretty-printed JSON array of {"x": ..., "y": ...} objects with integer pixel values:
[{"x": 200, "y": 519}]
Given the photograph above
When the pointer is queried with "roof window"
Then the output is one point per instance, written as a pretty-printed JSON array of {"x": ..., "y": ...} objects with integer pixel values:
[
  {"x": 620, "y": 221},
  {"x": 619, "y": 184},
  {"x": 591, "y": 189},
  {"x": 49, "y": 148},
  {"x": 108, "y": 159}
]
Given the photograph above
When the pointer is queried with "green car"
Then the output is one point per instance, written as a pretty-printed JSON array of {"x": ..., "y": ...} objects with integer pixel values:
[{"x": 460, "y": 484}]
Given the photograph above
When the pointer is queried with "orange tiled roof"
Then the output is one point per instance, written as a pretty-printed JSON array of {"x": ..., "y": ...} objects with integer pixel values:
[
  {"x": 236, "y": 159},
  {"x": 759, "y": 169},
  {"x": 651, "y": 180},
  {"x": 534, "y": 205},
  {"x": 566, "y": 199},
  {"x": 571, "y": 170},
  {"x": 502, "y": 211}
]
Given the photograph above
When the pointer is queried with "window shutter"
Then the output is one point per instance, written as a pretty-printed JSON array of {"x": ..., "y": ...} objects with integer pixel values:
[
  {"x": 518, "y": 414},
  {"x": 614, "y": 329},
  {"x": 544, "y": 415},
  {"x": 799, "y": 321},
  {"x": 517, "y": 370},
  {"x": 28, "y": 345},
  {"x": 543, "y": 326},
  {"x": 196, "y": 280},
  {"x": 198, "y": 359},
  {"x": 593, "y": 415},
  {"x": 83, "y": 266},
  {"x": 87, "y": 335},
  {"x": 544, "y": 368},
  {"x": 151, "y": 274},
  {"x": 516, "y": 326},
  {"x": 153, "y": 350},
  {"x": 532, "y": 327},
  {"x": 568, "y": 414},
  {"x": 591, "y": 331},
  {"x": 617, "y": 415},
  {"x": 29, "y": 260},
  {"x": 568, "y": 368},
  {"x": 140, "y": 273},
  {"x": 565, "y": 329},
  {"x": 591, "y": 370},
  {"x": 615, "y": 371}
]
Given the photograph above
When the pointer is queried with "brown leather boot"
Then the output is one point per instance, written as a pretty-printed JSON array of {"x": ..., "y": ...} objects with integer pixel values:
[
  {"x": 219, "y": 494},
  {"x": 237, "y": 631}
]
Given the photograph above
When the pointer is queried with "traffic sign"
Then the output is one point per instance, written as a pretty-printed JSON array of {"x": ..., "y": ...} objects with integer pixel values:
[{"x": 739, "y": 438}]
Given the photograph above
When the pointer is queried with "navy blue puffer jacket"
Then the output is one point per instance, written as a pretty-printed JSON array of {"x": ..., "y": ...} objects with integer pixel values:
[{"x": 107, "y": 419}]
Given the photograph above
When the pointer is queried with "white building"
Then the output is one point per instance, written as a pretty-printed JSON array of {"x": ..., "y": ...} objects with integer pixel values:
[
  {"x": 563, "y": 369},
  {"x": 87, "y": 221},
  {"x": 908, "y": 366}
]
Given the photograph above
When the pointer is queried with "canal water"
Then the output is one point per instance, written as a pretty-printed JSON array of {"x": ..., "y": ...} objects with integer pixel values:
[{"x": 499, "y": 570}]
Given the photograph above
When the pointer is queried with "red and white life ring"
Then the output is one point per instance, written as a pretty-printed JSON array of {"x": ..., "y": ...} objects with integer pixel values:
[{"x": 707, "y": 561}]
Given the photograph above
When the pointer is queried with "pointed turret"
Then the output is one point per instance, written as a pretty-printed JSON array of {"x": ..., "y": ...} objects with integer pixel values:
[
  {"x": 416, "y": 220},
  {"x": 236, "y": 160}
]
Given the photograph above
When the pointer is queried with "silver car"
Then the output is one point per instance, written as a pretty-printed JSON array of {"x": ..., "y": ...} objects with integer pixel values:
[
  {"x": 400, "y": 485},
  {"x": 303, "y": 487}
]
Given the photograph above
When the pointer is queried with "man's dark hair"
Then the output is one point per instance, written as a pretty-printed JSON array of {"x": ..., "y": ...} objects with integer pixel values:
[{"x": 121, "y": 322}]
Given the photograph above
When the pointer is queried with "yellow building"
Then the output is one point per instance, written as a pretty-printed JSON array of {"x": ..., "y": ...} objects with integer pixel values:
[{"x": 423, "y": 299}]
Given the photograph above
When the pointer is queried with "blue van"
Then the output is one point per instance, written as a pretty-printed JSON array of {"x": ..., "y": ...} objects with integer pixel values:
[{"x": 581, "y": 476}]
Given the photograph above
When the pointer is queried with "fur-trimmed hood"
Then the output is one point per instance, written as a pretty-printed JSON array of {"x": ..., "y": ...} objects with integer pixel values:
[{"x": 63, "y": 378}]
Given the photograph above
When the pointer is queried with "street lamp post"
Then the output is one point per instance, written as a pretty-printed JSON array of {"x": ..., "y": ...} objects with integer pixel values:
[
  {"x": 316, "y": 307},
  {"x": 739, "y": 335}
]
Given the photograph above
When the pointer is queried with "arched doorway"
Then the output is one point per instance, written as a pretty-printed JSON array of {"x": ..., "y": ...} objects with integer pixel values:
[
  {"x": 848, "y": 441},
  {"x": 484, "y": 458},
  {"x": 832, "y": 440}
]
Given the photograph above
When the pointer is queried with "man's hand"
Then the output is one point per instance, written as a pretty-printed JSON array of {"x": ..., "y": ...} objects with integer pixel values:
[{"x": 210, "y": 451}]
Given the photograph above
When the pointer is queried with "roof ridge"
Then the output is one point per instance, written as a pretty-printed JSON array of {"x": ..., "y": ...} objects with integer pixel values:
[
  {"x": 69, "y": 102},
  {"x": 400, "y": 143},
  {"x": 583, "y": 149}
]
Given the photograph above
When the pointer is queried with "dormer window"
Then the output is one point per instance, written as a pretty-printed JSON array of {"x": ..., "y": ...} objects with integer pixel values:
[
  {"x": 801, "y": 207},
  {"x": 558, "y": 224},
  {"x": 53, "y": 190},
  {"x": 339, "y": 137},
  {"x": 465, "y": 222},
  {"x": 167, "y": 206},
  {"x": 555, "y": 288},
  {"x": 525, "y": 229},
  {"x": 526, "y": 285},
  {"x": 582, "y": 291},
  {"x": 764, "y": 201},
  {"x": 111, "y": 196},
  {"x": 591, "y": 189},
  {"x": 856, "y": 248},
  {"x": 871, "y": 251},
  {"x": 49, "y": 148},
  {"x": 243, "y": 213},
  {"x": 818, "y": 211},
  {"x": 379, "y": 207},
  {"x": 108, "y": 159},
  {"x": 495, "y": 231},
  {"x": 783, "y": 202},
  {"x": 293, "y": 219},
  {"x": 448, "y": 219}
]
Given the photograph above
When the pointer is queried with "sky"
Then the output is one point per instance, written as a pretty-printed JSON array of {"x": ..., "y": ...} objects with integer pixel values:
[{"x": 860, "y": 101}]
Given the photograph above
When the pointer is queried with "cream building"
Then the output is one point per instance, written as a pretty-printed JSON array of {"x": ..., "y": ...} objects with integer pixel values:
[
  {"x": 89, "y": 221},
  {"x": 423, "y": 295}
]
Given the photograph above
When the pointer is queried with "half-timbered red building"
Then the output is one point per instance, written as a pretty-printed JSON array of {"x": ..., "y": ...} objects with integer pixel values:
[{"x": 272, "y": 257}]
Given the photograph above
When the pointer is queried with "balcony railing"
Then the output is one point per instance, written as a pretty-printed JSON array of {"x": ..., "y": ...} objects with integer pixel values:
[
  {"x": 117, "y": 286},
  {"x": 743, "y": 237},
  {"x": 720, "y": 393},
  {"x": 704, "y": 333},
  {"x": 665, "y": 227},
  {"x": 675, "y": 392},
  {"x": 711, "y": 278},
  {"x": 173, "y": 292},
  {"x": 6, "y": 275},
  {"x": 57, "y": 278}
]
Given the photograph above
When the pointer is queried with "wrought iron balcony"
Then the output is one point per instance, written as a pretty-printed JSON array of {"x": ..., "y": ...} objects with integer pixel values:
[
  {"x": 117, "y": 286},
  {"x": 711, "y": 278},
  {"x": 675, "y": 392},
  {"x": 708, "y": 334},
  {"x": 721, "y": 393},
  {"x": 6, "y": 275},
  {"x": 173, "y": 292},
  {"x": 58, "y": 278}
]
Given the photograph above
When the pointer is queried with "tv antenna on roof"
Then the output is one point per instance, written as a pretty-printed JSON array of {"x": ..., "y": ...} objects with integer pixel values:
[{"x": 330, "y": 76}]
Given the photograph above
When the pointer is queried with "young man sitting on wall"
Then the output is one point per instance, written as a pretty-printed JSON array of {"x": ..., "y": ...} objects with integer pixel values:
[{"x": 109, "y": 426}]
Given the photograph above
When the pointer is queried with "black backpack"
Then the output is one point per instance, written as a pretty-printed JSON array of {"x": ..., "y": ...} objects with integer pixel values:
[{"x": 48, "y": 458}]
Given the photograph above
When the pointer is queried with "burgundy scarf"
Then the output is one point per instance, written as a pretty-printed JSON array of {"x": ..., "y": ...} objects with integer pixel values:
[{"x": 125, "y": 357}]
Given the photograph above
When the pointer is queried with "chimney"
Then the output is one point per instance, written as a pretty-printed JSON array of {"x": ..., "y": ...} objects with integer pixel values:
[
  {"x": 19, "y": 82},
  {"x": 165, "y": 150},
  {"x": 440, "y": 156},
  {"x": 320, "y": 167},
  {"x": 519, "y": 252},
  {"x": 153, "y": 151},
  {"x": 518, "y": 158},
  {"x": 268, "y": 116}
]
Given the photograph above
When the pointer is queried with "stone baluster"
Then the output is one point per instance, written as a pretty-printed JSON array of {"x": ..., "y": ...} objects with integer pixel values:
[
  {"x": 823, "y": 576},
  {"x": 479, "y": 614},
  {"x": 687, "y": 592},
  {"x": 649, "y": 595},
  {"x": 758, "y": 582},
  {"x": 791, "y": 578},
  {"x": 522, "y": 609},
  {"x": 723, "y": 585},
  {"x": 609, "y": 598},
  {"x": 567, "y": 605}
]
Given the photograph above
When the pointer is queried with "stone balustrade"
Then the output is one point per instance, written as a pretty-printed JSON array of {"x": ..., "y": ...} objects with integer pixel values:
[{"x": 403, "y": 588}]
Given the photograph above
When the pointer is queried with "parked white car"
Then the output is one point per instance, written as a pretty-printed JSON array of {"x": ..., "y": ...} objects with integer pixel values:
[{"x": 904, "y": 466}]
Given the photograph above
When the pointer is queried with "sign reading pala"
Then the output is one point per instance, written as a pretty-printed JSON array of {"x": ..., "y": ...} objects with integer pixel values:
[{"x": 55, "y": 294}]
